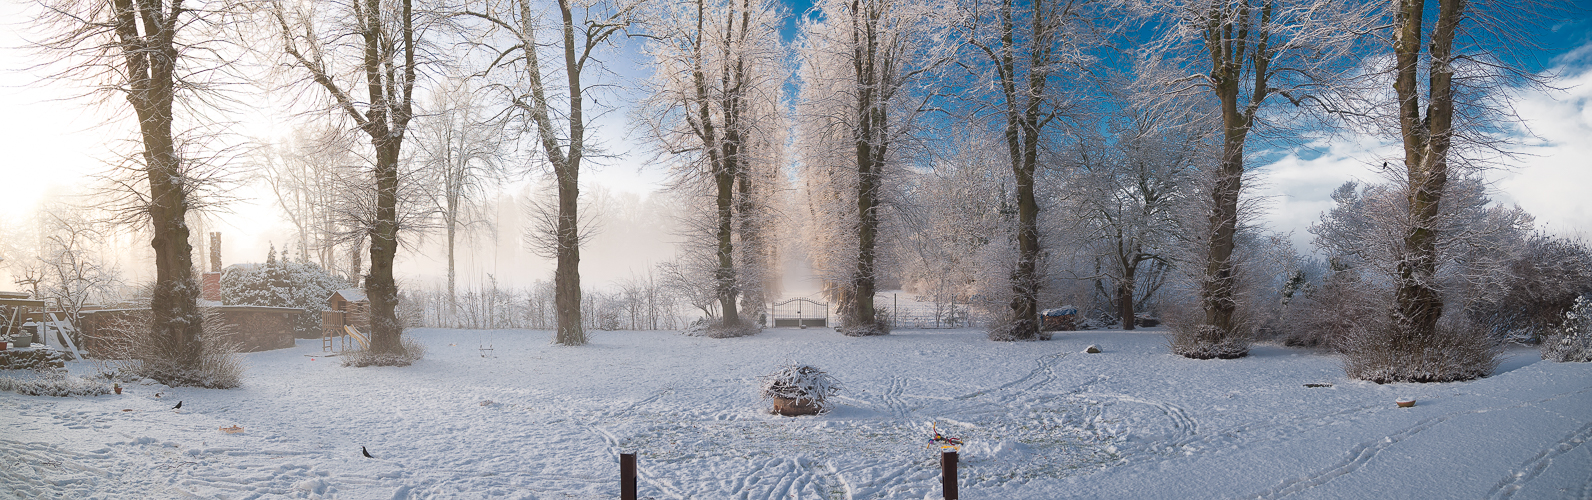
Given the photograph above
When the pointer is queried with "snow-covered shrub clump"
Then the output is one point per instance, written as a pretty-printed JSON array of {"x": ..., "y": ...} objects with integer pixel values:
[
  {"x": 283, "y": 283},
  {"x": 801, "y": 383},
  {"x": 410, "y": 352},
  {"x": 142, "y": 354},
  {"x": 1324, "y": 315},
  {"x": 715, "y": 329},
  {"x": 54, "y": 383},
  {"x": 1207, "y": 342},
  {"x": 34, "y": 359},
  {"x": 1187, "y": 336},
  {"x": 1458, "y": 349},
  {"x": 1573, "y": 340}
]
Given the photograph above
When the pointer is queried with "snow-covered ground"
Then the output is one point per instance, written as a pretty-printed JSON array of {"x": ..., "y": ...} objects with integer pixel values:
[{"x": 1042, "y": 420}]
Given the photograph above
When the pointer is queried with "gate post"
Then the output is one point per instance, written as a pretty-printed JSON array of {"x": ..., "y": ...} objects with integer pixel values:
[
  {"x": 627, "y": 476},
  {"x": 948, "y": 474}
]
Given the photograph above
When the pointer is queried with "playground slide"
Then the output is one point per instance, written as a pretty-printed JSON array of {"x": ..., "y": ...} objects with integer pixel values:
[
  {"x": 364, "y": 343},
  {"x": 62, "y": 329}
]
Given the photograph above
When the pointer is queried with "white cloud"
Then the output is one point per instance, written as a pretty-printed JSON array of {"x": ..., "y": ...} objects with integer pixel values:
[
  {"x": 1552, "y": 183},
  {"x": 1299, "y": 190}
]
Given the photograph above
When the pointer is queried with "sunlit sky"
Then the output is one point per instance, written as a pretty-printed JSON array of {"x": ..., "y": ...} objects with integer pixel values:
[{"x": 51, "y": 147}]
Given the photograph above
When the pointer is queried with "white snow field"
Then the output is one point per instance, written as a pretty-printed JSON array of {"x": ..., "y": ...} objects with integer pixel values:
[{"x": 1042, "y": 420}]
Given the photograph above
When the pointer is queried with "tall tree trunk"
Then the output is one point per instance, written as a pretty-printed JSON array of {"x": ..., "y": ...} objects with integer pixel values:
[
  {"x": 1232, "y": 39},
  {"x": 174, "y": 307},
  {"x": 871, "y": 66},
  {"x": 566, "y": 274},
  {"x": 754, "y": 250},
  {"x": 1418, "y": 305},
  {"x": 1025, "y": 277},
  {"x": 381, "y": 288},
  {"x": 725, "y": 276},
  {"x": 151, "y": 59},
  {"x": 1216, "y": 291},
  {"x": 453, "y": 296},
  {"x": 1023, "y": 97},
  {"x": 1130, "y": 267},
  {"x": 861, "y": 312},
  {"x": 566, "y": 277}
]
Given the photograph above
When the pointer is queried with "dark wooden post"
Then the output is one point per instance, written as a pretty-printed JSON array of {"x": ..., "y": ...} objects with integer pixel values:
[
  {"x": 948, "y": 474},
  {"x": 627, "y": 476}
]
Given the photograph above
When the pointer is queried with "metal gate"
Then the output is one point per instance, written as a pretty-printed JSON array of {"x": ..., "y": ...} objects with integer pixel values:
[{"x": 801, "y": 312}]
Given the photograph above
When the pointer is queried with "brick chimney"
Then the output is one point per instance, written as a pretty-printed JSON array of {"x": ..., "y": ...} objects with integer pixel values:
[{"x": 210, "y": 286}]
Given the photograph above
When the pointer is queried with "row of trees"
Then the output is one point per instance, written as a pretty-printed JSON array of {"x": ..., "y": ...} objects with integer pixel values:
[{"x": 1125, "y": 116}]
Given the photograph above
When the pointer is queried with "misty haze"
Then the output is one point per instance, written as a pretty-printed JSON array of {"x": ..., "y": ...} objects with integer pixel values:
[{"x": 795, "y": 249}]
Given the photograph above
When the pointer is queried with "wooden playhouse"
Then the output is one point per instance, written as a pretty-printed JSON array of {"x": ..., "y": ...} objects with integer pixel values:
[{"x": 347, "y": 317}]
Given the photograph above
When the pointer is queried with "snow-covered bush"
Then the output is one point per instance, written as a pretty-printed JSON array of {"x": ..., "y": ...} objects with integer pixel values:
[
  {"x": 411, "y": 351},
  {"x": 1206, "y": 342},
  {"x": 1542, "y": 283},
  {"x": 1187, "y": 336},
  {"x": 1323, "y": 315},
  {"x": 801, "y": 382},
  {"x": 1010, "y": 331},
  {"x": 283, "y": 283},
  {"x": 53, "y": 383},
  {"x": 1458, "y": 349},
  {"x": 149, "y": 356},
  {"x": 1472, "y": 243},
  {"x": 715, "y": 329},
  {"x": 34, "y": 359},
  {"x": 1573, "y": 339}
]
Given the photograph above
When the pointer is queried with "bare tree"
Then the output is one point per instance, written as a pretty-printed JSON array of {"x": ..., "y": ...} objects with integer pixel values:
[
  {"x": 1126, "y": 198},
  {"x": 309, "y": 175},
  {"x": 1030, "y": 53},
  {"x": 384, "y": 44},
  {"x": 162, "y": 58},
  {"x": 1426, "y": 138},
  {"x": 958, "y": 247},
  {"x": 70, "y": 265},
  {"x": 1254, "y": 50},
  {"x": 462, "y": 152},
  {"x": 863, "y": 65},
  {"x": 1452, "y": 83},
  {"x": 715, "y": 107},
  {"x": 513, "y": 32},
  {"x": 1362, "y": 236}
]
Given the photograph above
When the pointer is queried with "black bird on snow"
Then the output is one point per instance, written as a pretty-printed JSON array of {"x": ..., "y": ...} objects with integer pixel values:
[
  {"x": 178, "y": 407},
  {"x": 366, "y": 452}
]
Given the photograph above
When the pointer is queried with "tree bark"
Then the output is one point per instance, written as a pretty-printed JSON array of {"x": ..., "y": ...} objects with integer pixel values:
[
  {"x": 870, "y": 64},
  {"x": 389, "y": 98},
  {"x": 151, "y": 60},
  {"x": 1130, "y": 266},
  {"x": 453, "y": 297},
  {"x": 566, "y": 294},
  {"x": 1231, "y": 38},
  {"x": 1418, "y": 305},
  {"x": 1025, "y": 117}
]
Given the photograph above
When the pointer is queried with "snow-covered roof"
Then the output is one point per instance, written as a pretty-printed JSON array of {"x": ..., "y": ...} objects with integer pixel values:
[{"x": 350, "y": 294}]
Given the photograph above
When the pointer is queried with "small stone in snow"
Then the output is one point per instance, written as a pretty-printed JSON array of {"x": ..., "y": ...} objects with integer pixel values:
[{"x": 1094, "y": 349}]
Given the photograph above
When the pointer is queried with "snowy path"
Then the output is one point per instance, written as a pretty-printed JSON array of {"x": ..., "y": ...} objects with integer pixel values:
[{"x": 1042, "y": 420}]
